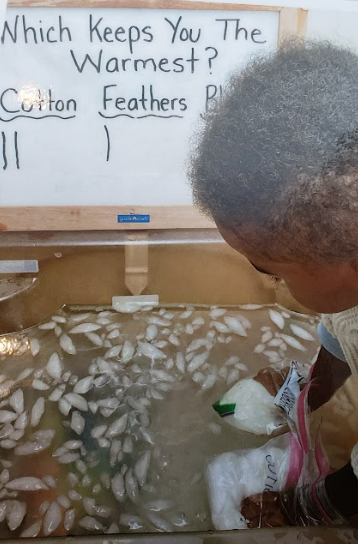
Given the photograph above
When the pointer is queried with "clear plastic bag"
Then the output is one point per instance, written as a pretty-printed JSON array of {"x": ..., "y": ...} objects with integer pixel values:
[
  {"x": 233, "y": 476},
  {"x": 279, "y": 484},
  {"x": 253, "y": 405}
]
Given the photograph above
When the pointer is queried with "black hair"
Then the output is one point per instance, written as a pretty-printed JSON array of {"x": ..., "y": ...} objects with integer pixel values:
[{"x": 277, "y": 158}]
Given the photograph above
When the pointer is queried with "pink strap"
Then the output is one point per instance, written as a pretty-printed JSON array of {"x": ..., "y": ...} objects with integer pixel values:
[
  {"x": 300, "y": 446},
  {"x": 296, "y": 462},
  {"x": 301, "y": 418}
]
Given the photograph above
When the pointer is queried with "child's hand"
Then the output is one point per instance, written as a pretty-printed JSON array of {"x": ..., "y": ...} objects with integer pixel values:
[
  {"x": 264, "y": 510},
  {"x": 304, "y": 506},
  {"x": 329, "y": 374},
  {"x": 272, "y": 379}
]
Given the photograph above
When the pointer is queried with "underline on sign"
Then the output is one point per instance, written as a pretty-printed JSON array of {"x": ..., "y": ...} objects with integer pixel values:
[
  {"x": 140, "y": 116},
  {"x": 36, "y": 118}
]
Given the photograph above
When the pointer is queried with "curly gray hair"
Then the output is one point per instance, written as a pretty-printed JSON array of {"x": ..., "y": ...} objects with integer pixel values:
[{"x": 278, "y": 156}]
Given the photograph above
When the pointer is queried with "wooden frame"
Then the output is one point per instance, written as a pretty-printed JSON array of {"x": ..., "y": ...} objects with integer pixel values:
[
  {"x": 52, "y": 218},
  {"x": 145, "y": 4},
  {"x": 292, "y": 21}
]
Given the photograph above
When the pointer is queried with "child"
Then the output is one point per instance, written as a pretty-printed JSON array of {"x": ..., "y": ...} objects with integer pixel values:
[{"x": 276, "y": 167}]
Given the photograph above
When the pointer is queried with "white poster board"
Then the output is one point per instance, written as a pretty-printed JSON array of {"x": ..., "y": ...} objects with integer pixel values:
[
  {"x": 3, "y": 4},
  {"x": 97, "y": 106}
]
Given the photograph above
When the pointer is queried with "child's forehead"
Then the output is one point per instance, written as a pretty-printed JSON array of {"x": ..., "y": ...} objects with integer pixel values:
[{"x": 262, "y": 253}]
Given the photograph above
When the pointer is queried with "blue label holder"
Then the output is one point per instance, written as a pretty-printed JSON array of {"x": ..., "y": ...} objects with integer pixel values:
[{"x": 133, "y": 218}]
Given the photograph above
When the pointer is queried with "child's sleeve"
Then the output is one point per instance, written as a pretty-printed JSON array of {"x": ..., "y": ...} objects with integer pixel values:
[
  {"x": 330, "y": 343},
  {"x": 343, "y": 327}
]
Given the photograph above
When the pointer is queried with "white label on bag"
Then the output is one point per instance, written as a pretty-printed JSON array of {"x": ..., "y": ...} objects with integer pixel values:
[{"x": 289, "y": 392}]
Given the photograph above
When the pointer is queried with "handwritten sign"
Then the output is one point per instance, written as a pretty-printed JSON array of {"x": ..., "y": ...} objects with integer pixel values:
[
  {"x": 3, "y": 4},
  {"x": 97, "y": 106}
]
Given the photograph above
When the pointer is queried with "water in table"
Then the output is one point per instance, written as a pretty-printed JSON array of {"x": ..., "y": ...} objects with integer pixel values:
[{"x": 106, "y": 423}]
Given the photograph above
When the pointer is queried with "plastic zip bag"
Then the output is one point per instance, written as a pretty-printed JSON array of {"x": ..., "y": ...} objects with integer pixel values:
[
  {"x": 252, "y": 404},
  {"x": 290, "y": 468},
  {"x": 233, "y": 476}
]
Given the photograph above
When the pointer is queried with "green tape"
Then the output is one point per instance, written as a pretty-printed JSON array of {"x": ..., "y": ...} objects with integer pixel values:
[{"x": 224, "y": 409}]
